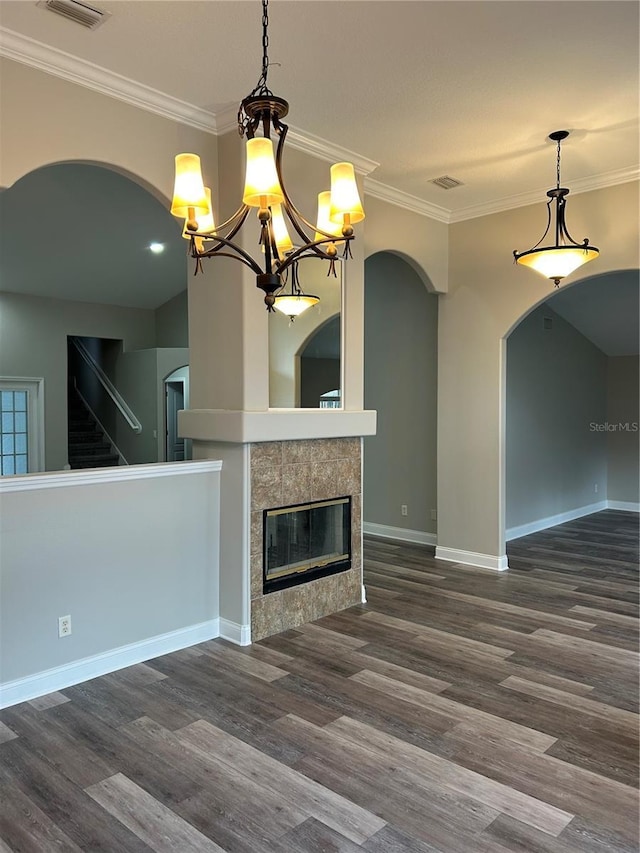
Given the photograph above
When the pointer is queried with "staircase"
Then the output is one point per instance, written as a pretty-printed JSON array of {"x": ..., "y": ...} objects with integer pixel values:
[{"x": 88, "y": 447}]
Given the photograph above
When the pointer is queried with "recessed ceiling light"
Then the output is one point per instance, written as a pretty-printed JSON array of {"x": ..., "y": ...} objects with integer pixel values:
[{"x": 156, "y": 248}]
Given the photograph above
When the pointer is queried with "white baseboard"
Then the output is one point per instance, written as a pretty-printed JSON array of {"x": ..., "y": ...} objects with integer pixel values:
[
  {"x": 401, "y": 533},
  {"x": 472, "y": 558},
  {"x": 50, "y": 680},
  {"x": 553, "y": 520},
  {"x": 363, "y": 595},
  {"x": 625, "y": 506},
  {"x": 234, "y": 632}
]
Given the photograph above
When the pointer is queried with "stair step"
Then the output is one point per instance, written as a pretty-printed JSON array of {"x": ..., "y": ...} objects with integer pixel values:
[{"x": 101, "y": 448}]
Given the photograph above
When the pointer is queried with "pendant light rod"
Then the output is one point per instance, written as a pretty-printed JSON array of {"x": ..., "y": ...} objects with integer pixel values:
[
  {"x": 259, "y": 115},
  {"x": 557, "y": 261}
]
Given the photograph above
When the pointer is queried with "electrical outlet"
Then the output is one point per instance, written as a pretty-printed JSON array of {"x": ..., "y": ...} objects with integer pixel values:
[
  {"x": 434, "y": 515},
  {"x": 64, "y": 626},
  {"x": 404, "y": 510}
]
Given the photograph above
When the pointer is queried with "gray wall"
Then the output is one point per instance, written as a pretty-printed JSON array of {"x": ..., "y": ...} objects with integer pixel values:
[
  {"x": 172, "y": 322},
  {"x": 317, "y": 376},
  {"x": 33, "y": 342},
  {"x": 400, "y": 382},
  {"x": 556, "y": 388},
  {"x": 622, "y": 444},
  {"x": 145, "y": 564}
]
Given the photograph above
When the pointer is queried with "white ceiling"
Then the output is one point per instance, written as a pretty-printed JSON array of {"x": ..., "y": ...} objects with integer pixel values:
[{"x": 424, "y": 88}]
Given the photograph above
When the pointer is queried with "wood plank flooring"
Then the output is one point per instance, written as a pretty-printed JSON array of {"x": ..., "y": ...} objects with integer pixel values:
[{"x": 459, "y": 711}]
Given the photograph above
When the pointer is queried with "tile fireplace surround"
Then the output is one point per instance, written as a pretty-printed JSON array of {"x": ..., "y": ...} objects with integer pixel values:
[{"x": 292, "y": 472}]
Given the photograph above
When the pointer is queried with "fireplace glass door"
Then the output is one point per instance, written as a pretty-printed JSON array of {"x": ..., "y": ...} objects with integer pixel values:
[{"x": 305, "y": 542}]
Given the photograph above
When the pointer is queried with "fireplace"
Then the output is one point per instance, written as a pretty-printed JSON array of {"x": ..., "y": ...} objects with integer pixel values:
[{"x": 306, "y": 541}]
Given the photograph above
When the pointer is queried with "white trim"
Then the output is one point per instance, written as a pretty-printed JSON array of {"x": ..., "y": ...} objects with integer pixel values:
[
  {"x": 376, "y": 189},
  {"x": 60, "y": 677},
  {"x": 363, "y": 594},
  {"x": 472, "y": 558},
  {"x": 329, "y": 151},
  {"x": 581, "y": 185},
  {"x": 401, "y": 533},
  {"x": 235, "y": 633},
  {"x": 90, "y": 476},
  {"x": 49, "y": 59},
  {"x": 553, "y": 520},
  {"x": 625, "y": 506}
]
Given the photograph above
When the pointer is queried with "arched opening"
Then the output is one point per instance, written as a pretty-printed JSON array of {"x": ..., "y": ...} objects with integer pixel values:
[
  {"x": 400, "y": 383},
  {"x": 319, "y": 360},
  {"x": 76, "y": 263},
  {"x": 571, "y": 405}
]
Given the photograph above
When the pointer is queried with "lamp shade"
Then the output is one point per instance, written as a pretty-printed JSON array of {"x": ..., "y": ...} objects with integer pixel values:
[
  {"x": 188, "y": 189},
  {"x": 323, "y": 223},
  {"x": 556, "y": 262},
  {"x": 345, "y": 199},
  {"x": 261, "y": 187},
  {"x": 280, "y": 233},
  {"x": 293, "y": 304},
  {"x": 206, "y": 224}
]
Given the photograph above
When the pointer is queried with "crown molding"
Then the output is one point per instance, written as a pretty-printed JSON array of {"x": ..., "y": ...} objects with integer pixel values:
[
  {"x": 406, "y": 201},
  {"x": 581, "y": 185},
  {"x": 34, "y": 53},
  {"x": 329, "y": 151}
]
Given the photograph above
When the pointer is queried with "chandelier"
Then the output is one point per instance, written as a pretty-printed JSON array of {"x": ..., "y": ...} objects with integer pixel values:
[
  {"x": 557, "y": 261},
  {"x": 339, "y": 209}
]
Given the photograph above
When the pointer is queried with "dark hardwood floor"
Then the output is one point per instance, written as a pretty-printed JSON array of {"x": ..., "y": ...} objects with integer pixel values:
[{"x": 460, "y": 711}]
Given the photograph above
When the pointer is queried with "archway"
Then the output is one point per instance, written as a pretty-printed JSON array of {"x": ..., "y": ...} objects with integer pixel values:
[
  {"x": 571, "y": 372},
  {"x": 83, "y": 268},
  {"x": 400, "y": 380}
]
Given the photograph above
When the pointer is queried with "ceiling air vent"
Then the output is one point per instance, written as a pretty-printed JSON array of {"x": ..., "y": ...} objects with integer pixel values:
[
  {"x": 87, "y": 16},
  {"x": 446, "y": 182}
]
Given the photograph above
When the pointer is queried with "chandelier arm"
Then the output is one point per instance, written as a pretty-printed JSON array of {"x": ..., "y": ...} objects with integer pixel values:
[
  {"x": 241, "y": 255},
  {"x": 561, "y": 228},
  {"x": 292, "y": 257},
  {"x": 546, "y": 230},
  {"x": 293, "y": 213},
  {"x": 242, "y": 212}
]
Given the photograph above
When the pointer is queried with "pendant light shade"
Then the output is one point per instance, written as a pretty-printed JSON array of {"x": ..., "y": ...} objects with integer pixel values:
[
  {"x": 295, "y": 304},
  {"x": 560, "y": 260},
  {"x": 261, "y": 187},
  {"x": 189, "y": 197},
  {"x": 205, "y": 223},
  {"x": 345, "y": 200},
  {"x": 324, "y": 225},
  {"x": 280, "y": 232}
]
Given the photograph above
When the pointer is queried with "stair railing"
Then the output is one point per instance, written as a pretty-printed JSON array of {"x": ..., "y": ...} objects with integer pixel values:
[{"x": 108, "y": 386}]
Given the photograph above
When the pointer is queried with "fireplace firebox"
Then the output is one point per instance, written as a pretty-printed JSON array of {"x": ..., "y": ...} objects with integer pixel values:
[{"x": 307, "y": 541}]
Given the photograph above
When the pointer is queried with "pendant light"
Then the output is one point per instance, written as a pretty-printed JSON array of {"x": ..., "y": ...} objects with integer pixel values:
[
  {"x": 557, "y": 261},
  {"x": 260, "y": 114},
  {"x": 296, "y": 301}
]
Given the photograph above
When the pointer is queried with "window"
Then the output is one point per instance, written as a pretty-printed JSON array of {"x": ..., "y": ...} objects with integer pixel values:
[{"x": 21, "y": 438}]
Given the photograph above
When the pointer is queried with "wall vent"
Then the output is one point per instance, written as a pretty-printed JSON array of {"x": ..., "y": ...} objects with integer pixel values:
[
  {"x": 446, "y": 182},
  {"x": 86, "y": 16}
]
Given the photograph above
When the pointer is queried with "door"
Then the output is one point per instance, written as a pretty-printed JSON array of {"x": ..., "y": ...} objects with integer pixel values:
[
  {"x": 174, "y": 396},
  {"x": 21, "y": 425}
]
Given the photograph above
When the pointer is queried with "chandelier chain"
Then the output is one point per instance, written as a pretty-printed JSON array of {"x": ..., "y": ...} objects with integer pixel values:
[{"x": 558, "y": 167}]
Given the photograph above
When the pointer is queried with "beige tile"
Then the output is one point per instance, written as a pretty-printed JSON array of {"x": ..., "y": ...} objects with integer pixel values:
[
  {"x": 299, "y": 605},
  {"x": 297, "y": 451},
  {"x": 256, "y": 532},
  {"x": 296, "y": 483},
  {"x": 256, "y": 576},
  {"x": 324, "y": 482},
  {"x": 266, "y": 453},
  {"x": 266, "y": 616},
  {"x": 348, "y": 476},
  {"x": 266, "y": 487}
]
